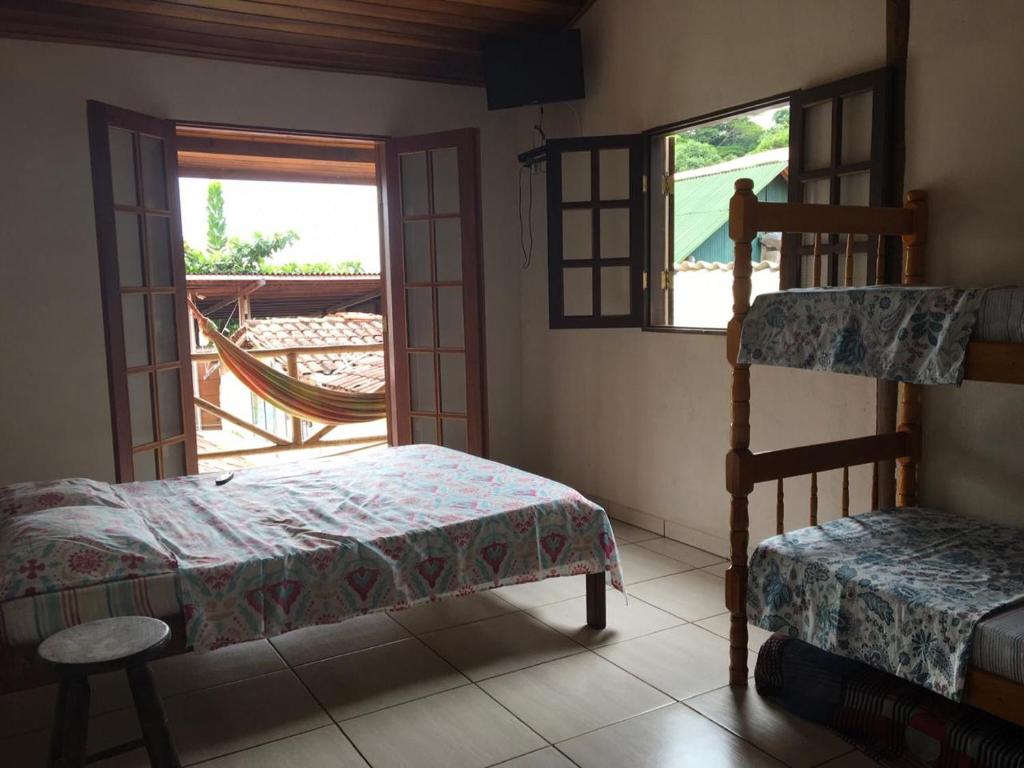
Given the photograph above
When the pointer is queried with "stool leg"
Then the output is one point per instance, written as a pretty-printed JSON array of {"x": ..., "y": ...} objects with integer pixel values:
[
  {"x": 152, "y": 719},
  {"x": 71, "y": 723},
  {"x": 595, "y": 601}
]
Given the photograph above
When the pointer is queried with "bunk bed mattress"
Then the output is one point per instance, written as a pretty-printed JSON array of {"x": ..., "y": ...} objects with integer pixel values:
[
  {"x": 902, "y": 590},
  {"x": 904, "y": 333},
  {"x": 293, "y": 545}
]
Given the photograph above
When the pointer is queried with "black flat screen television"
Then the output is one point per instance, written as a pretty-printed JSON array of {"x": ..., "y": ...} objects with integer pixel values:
[{"x": 533, "y": 69}]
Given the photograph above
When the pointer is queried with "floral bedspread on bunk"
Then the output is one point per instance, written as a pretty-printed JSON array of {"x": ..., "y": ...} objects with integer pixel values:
[
  {"x": 903, "y": 333},
  {"x": 303, "y": 543},
  {"x": 901, "y": 590}
]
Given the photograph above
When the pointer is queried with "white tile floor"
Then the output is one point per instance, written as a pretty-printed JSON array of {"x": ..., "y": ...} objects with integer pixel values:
[{"x": 509, "y": 678}]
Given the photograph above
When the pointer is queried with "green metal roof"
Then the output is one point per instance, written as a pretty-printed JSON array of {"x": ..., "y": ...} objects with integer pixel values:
[{"x": 702, "y": 202}]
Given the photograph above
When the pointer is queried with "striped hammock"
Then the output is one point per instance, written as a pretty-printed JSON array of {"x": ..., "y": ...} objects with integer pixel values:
[{"x": 294, "y": 397}]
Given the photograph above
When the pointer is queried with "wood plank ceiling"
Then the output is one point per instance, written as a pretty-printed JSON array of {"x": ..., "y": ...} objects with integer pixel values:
[{"x": 420, "y": 39}]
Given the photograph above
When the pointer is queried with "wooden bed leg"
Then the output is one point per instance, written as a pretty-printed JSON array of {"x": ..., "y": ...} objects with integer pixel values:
[{"x": 596, "y": 614}]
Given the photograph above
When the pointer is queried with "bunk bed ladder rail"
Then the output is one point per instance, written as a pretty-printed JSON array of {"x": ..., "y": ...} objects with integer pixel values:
[{"x": 745, "y": 469}]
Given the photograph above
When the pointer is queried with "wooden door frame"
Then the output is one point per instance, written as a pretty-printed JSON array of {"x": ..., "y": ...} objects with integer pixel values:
[{"x": 467, "y": 143}]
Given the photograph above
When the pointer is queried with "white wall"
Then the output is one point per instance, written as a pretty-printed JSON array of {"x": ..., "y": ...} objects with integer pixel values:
[
  {"x": 965, "y": 120},
  {"x": 642, "y": 419},
  {"x": 54, "y": 415}
]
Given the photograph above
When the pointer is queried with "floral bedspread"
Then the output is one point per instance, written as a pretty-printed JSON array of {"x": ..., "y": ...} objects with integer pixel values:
[
  {"x": 901, "y": 589},
  {"x": 306, "y": 543},
  {"x": 904, "y": 333}
]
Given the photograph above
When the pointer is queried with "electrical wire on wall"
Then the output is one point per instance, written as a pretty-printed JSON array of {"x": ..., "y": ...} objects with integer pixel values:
[
  {"x": 529, "y": 165},
  {"x": 526, "y": 235}
]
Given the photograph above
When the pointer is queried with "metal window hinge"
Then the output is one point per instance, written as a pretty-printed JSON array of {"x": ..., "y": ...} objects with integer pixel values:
[
  {"x": 666, "y": 279},
  {"x": 644, "y": 184},
  {"x": 645, "y": 280},
  {"x": 667, "y": 185}
]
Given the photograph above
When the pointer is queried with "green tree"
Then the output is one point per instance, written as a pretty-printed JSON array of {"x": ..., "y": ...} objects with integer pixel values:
[
  {"x": 734, "y": 137},
  {"x": 691, "y": 154},
  {"x": 216, "y": 224},
  {"x": 774, "y": 138},
  {"x": 234, "y": 256}
]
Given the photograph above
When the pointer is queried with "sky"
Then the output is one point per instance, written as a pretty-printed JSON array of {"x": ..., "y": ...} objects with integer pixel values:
[{"x": 335, "y": 222}]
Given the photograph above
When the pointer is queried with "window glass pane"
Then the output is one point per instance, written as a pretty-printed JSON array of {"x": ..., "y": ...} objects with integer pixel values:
[
  {"x": 158, "y": 237},
  {"x": 122, "y": 167},
  {"x": 168, "y": 389},
  {"x": 419, "y": 306},
  {"x": 129, "y": 248},
  {"x": 577, "y": 292},
  {"x": 855, "y": 189},
  {"x": 448, "y": 246},
  {"x": 414, "y": 184},
  {"x": 417, "y": 251},
  {"x": 614, "y": 228},
  {"x": 165, "y": 334},
  {"x": 818, "y": 136},
  {"x": 577, "y": 234},
  {"x": 857, "y": 127},
  {"x": 145, "y": 465},
  {"x": 454, "y": 434},
  {"x": 140, "y": 408},
  {"x": 449, "y": 317},
  {"x": 613, "y": 174},
  {"x": 445, "y": 167},
  {"x": 424, "y": 430},
  {"x": 615, "y": 290},
  {"x": 421, "y": 382},
  {"x": 818, "y": 192},
  {"x": 136, "y": 339},
  {"x": 154, "y": 183},
  {"x": 575, "y": 176},
  {"x": 174, "y": 460},
  {"x": 453, "y": 383}
]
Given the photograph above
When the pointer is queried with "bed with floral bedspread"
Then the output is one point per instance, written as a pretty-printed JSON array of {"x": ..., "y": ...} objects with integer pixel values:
[
  {"x": 902, "y": 590},
  {"x": 288, "y": 546}
]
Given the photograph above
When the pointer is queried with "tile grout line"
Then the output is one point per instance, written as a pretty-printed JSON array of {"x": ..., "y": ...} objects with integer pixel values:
[
  {"x": 323, "y": 709},
  {"x": 738, "y": 736}
]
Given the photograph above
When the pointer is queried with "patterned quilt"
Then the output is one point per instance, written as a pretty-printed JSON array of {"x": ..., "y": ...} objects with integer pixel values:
[
  {"x": 915, "y": 334},
  {"x": 901, "y": 590},
  {"x": 306, "y": 543}
]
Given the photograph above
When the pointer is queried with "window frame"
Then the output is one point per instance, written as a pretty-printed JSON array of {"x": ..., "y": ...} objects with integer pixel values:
[
  {"x": 637, "y": 206},
  {"x": 879, "y": 166},
  {"x": 779, "y": 99}
]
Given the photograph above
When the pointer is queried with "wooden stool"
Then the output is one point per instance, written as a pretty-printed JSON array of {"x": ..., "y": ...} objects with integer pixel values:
[{"x": 126, "y": 643}]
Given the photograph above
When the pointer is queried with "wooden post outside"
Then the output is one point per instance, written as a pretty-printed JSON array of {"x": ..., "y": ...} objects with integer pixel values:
[
  {"x": 848, "y": 262},
  {"x": 909, "y": 409},
  {"x": 739, "y": 476},
  {"x": 293, "y": 371}
]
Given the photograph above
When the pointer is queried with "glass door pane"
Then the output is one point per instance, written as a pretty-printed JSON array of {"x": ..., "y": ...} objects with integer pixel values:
[
  {"x": 142, "y": 277},
  {"x": 433, "y": 291}
]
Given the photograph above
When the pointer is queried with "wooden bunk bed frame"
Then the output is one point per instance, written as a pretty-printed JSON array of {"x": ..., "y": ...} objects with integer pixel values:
[{"x": 986, "y": 361}]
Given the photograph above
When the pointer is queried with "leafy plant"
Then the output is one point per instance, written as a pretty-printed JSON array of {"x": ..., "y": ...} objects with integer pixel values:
[
  {"x": 729, "y": 139},
  {"x": 216, "y": 224},
  {"x": 234, "y": 256}
]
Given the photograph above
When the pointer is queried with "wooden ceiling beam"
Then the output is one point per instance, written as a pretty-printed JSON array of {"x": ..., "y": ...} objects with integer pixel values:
[
  {"x": 222, "y": 146},
  {"x": 330, "y": 14},
  {"x": 437, "y": 40},
  {"x": 55, "y": 26},
  {"x": 329, "y": 33}
]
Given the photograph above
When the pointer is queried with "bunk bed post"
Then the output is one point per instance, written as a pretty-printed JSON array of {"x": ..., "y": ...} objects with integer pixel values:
[
  {"x": 909, "y": 406},
  {"x": 739, "y": 479}
]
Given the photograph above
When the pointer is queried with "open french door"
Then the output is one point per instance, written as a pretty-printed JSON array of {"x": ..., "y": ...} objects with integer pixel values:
[
  {"x": 142, "y": 282},
  {"x": 434, "y": 289}
]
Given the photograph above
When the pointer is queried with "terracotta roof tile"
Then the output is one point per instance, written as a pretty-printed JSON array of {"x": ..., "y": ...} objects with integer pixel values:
[{"x": 353, "y": 371}]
